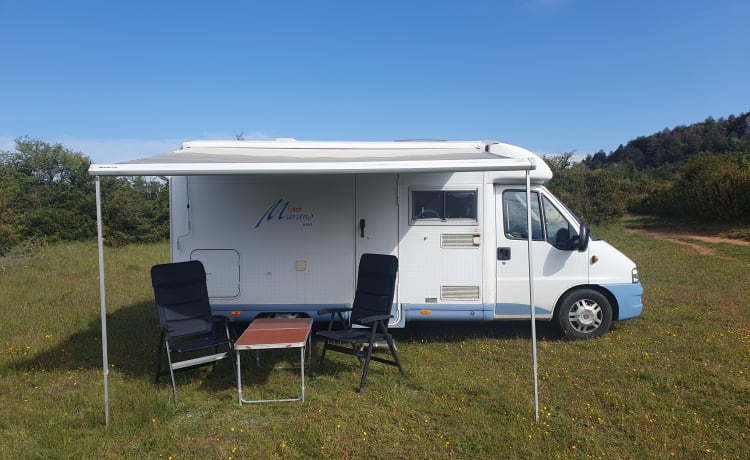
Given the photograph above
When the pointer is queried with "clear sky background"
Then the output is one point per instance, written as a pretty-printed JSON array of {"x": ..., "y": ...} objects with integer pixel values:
[{"x": 121, "y": 80}]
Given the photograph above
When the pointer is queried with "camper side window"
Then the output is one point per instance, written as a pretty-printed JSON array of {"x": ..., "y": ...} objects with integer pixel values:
[{"x": 443, "y": 205}]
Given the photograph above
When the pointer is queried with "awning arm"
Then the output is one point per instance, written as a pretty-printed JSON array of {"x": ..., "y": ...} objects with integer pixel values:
[
  {"x": 531, "y": 294},
  {"x": 103, "y": 302}
]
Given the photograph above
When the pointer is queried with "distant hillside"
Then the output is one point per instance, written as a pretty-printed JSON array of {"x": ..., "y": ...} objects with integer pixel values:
[
  {"x": 725, "y": 135},
  {"x": 699, "y": 172}
]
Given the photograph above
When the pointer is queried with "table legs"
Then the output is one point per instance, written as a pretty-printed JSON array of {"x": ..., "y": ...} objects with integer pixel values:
[{"x": 255, "y": 401}]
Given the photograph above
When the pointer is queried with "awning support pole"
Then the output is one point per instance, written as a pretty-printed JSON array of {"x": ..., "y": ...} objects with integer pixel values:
[
  {"x": 103, "y": 302},
  {"x": 531, "y": 293}
]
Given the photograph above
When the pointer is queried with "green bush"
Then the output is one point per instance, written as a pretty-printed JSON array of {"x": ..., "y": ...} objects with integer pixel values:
[
  {"x": 712, "y": 188},
  {"x": 597, "y": 196},
  {"x": 135, "y": 210},
  {"x": 47, "y": 194}
]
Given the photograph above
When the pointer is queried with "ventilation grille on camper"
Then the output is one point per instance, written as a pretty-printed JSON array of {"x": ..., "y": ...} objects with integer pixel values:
[
  {"x": 459, "y": 240},
  {"x": 459, "y": 292}
]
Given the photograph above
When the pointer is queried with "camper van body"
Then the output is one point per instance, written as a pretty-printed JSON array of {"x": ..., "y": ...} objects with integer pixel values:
[{"x": 287, "y": 242}]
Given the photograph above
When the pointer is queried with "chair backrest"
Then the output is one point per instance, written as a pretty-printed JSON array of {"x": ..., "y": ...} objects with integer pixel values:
[
  {"x": 182, "y": 298},
  {"x": 376, "y": 283}
]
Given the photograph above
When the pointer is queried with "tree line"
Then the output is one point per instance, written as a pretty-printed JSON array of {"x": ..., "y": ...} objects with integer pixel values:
[
  {"x": 47, "y": 194},
  {"x": 701, "y": 171}
]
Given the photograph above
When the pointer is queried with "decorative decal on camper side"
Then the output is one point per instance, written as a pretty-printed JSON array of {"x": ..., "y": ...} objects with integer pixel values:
[{"x": 282, "y": 211}]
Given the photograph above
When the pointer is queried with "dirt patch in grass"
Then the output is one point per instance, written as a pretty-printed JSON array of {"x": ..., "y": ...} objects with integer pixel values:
[{"x": 689, "y": 239}]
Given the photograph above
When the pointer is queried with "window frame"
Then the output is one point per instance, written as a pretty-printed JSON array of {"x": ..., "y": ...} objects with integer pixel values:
[
  {"x": 444, "y": 193},
  {"x": 542, "y": 200},
  {"x": 535, "y": 198}
]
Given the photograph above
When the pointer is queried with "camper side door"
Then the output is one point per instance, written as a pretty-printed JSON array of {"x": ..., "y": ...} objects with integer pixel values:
[{"x": 376, "y": 223}]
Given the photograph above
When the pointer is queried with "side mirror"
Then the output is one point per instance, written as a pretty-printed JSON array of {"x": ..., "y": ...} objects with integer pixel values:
[
  {"x": 584, "y": 235},
  {"x": 579, "y": 241}
]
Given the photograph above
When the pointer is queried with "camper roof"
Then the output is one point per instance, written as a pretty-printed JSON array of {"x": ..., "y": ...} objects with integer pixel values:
[{"x": 298, "y": 157}]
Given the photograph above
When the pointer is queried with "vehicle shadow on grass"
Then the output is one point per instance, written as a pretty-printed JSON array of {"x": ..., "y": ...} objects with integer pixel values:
[
  {"x": 132, "y": 333},
  {"x": 133, "y": 339},
  {"x": 431, "y": 332},
  {"x": 445, "y": 331},
  {"x": 132, "y": 343}
]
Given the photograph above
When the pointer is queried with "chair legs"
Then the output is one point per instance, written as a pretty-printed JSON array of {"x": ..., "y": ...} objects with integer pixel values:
[
  {"x": 323, "y": 353},
  {"x": 364, "y": 354},
  {"x": 158, "y": 358},
  {"x": 396, "y": 361},
  {"x": 165, "y": 344},
  {"x": 392, "y": 347},
  {"x": 171, "y": 370},
  {"x": 188, "y": 364},
  {"x": 365, "y": 368},
  {"x": 353, "y": 352}
]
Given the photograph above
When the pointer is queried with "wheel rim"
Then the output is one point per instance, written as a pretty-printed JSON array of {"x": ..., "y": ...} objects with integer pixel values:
[{"x": 585, "y": 316}]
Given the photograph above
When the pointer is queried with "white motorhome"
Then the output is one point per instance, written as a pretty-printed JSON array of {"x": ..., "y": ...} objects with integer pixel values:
[{"x": 280, "y": 226}]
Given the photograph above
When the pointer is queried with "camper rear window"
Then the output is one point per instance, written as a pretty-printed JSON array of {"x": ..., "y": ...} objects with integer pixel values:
[{"x": 443, "y": 205}]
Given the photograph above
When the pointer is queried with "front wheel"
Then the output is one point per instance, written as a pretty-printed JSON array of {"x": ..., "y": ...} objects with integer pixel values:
[{"x": 584, "y": 314}]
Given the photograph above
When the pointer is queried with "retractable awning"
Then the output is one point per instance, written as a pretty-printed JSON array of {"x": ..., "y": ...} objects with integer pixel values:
[{"x": 295, "y": 157}]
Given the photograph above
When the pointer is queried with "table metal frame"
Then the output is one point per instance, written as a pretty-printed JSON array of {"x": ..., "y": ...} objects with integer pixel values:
[{"x": 273, "y": 333}]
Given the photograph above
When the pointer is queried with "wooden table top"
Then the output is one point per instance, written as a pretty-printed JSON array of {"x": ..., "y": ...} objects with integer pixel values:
[{"x": 275, "y": 333}]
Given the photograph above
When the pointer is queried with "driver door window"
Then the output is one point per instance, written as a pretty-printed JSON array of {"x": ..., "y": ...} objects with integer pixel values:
[
  {"x": 556, "y": 229},
  {"x": 514, "y": 207},
  {"x": 559, "y": 232}
]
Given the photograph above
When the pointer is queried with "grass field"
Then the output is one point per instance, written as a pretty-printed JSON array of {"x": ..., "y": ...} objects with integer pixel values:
[{"x": 670, "y": 384}]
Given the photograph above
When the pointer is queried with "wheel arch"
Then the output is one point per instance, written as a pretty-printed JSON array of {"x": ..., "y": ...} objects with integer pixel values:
[{"x": 603, "y": 291}]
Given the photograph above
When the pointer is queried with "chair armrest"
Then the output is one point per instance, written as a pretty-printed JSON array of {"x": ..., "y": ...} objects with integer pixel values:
[
  {"x": 371, "y": 319},
  {"x": 325, "y": 311}
]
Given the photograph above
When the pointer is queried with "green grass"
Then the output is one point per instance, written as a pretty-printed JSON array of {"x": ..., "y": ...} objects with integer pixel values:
[{"x": 670, "y": 384}]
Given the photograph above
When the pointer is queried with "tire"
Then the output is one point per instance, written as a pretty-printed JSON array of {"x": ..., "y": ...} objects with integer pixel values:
[{"x": 584, "y": 314}]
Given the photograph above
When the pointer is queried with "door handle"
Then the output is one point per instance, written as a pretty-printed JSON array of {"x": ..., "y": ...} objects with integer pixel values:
[
  {"x": 361, "y": 228},
  {"x": 503, "y": 253}
]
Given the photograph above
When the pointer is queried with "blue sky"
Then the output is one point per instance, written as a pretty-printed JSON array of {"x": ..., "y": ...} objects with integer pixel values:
[{"x": 123, "y": 80}]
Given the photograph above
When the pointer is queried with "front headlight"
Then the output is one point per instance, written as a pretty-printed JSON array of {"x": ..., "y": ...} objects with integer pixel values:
[{"x": 635, "y": 275}]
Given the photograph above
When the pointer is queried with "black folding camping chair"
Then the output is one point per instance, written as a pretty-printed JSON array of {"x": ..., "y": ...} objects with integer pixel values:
[
  {"x": 187, "y": 324},
  {"x": 368, "y": 315}
]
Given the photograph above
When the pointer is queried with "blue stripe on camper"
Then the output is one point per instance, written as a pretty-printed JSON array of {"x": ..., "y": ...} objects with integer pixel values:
[
  {"x": 248, "y": 312},
  {"x": 447, "y": 312},
  {"x": 519, "y": 309}
]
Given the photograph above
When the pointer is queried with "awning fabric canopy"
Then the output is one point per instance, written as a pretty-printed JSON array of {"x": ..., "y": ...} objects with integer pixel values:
[{"x": 294, "y": 157}]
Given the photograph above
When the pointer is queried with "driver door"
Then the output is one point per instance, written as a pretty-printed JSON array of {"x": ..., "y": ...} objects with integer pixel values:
[{"x": 557, "y": 266}]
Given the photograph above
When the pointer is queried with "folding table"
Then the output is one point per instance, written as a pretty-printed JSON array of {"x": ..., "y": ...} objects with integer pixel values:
[{"x": 269, "y": 333}]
